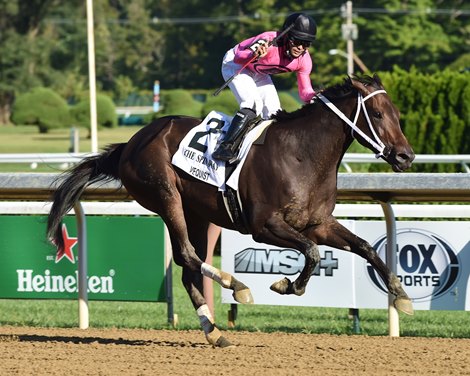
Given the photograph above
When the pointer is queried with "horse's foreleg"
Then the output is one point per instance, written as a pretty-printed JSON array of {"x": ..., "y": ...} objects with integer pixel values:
[
  {"x": 285, "y": 286},
  {"x": 280, "y": 233},
  {"x": 192, "y": 282},
  {"x": 193, "y": 271},
  {"x": 336, "y": 235},
  {"x": 188, "y": 234},
  {"x": 402, "y": 302},
  {"x": 241, "y": 293}
]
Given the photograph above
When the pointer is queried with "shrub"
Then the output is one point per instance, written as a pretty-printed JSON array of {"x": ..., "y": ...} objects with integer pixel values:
[
  {"x": 179, "y": 102},
  {"x": 106, "y": 112},
  {"x": 42, "y": 107},
  {"x": 225, "y": 102}
]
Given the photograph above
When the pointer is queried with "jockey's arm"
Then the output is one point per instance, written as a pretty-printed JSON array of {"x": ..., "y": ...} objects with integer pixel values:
[
  {"x": 306, "y": 92},
  {"x": 255, "y": 46}
]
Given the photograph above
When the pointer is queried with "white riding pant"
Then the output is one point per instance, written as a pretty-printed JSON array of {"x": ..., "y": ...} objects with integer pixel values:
[{"x": 252, "y": 90}]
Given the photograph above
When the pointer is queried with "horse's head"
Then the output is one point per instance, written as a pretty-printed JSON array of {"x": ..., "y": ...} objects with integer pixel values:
[{"x": 379, "y": 120}]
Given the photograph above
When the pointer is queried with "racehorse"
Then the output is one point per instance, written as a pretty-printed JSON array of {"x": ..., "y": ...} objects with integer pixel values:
[{"x": 287, "y": 187}]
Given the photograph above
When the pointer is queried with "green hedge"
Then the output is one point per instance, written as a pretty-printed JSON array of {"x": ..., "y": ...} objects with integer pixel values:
[
  {"x": 42, "y": 107},
  {"x": 435, "y": 112},
  {"x": 106, "y": 112}
]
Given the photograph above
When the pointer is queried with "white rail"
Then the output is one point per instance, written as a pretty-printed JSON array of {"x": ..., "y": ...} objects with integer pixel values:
[
  {"x": 43, "y": 157},
  {"x": 65, "y": 160},
  {"x": 134, "y": 110},
  {"x": 462, "y": 159},
  {"x": 341, "y": 210}
]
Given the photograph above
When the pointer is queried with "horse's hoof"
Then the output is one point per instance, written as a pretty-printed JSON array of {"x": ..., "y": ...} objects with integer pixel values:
[
  {"x": 281, "y": 286},
  {"x": 216, "y": 339},
  {"x": 404, "y": 305},
  {"x": 243, "y": 296},
  {"x": 223, "y": 343}
]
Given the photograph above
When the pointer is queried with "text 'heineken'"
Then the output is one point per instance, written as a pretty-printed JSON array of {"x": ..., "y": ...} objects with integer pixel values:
[{"x": 29, "y": 282}]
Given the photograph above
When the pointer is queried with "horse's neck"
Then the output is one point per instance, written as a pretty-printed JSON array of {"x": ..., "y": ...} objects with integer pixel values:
[
  {"x": 326, "y": 136},
  {"x": 338, "y": 132}
]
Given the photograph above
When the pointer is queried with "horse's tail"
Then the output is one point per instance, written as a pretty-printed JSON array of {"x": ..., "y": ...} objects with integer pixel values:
[{"x": 101, "y": 167}]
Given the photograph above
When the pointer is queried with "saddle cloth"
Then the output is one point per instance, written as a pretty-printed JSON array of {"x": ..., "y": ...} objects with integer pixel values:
[{"x": 194, "y": 155}]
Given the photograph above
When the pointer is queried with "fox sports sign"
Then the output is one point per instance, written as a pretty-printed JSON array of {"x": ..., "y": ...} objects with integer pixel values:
[{"x": 427, "y": 265}]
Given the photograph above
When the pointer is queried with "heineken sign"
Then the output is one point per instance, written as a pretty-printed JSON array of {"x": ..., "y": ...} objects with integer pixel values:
[{"x": 126, "y": 259}]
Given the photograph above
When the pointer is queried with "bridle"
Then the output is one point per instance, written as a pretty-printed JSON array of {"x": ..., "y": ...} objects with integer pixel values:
[{"x": 376, "y": 143}]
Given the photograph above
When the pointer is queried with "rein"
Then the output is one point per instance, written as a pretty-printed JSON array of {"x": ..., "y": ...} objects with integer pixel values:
[{"x": 377, "y": 144}]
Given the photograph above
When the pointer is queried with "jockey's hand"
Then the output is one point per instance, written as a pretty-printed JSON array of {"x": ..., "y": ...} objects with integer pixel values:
[
  {"x": 259, "y": 48},
  {"x": 313, "y": 98},
  {"x": 262, "y": 49}
]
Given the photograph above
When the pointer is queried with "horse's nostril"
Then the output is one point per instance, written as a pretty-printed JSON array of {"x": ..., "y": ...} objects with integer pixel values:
[{"x": 405, "y": 157}]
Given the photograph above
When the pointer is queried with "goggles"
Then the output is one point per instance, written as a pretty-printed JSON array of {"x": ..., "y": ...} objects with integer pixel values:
[{"x": 298, "y": 42}]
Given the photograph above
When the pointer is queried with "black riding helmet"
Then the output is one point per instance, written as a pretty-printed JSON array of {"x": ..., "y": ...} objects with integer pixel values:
[{"x": 305, "y": 27}]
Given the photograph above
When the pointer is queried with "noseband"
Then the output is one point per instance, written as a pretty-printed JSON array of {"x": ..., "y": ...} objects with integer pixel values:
[{"x": 377, "y": 144}]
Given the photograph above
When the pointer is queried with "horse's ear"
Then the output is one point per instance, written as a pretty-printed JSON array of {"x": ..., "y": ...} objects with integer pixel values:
[
  {"x": 365, "y": 84},
  {"x": 359, "y": 85},
  {"x": 377, "y": 79}
]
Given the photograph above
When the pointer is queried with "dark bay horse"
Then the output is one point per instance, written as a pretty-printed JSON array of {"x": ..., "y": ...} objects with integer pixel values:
[{"x": 287, "y": 187}]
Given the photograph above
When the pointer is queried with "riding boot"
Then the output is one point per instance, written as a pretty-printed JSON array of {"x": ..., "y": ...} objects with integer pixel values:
[{"x": 226, "y": 150}]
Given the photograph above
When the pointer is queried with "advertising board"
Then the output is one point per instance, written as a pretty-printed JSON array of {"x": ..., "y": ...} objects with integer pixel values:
[
  {"x": 433, "y": 263},
  {"x": 126, "y": 259}
]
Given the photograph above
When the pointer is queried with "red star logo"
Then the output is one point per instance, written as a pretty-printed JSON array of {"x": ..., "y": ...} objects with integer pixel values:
[{"x": 67, "y": 251}]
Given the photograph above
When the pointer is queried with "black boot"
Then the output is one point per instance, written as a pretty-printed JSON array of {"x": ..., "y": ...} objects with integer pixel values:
[{"x": 226, "y": 150}]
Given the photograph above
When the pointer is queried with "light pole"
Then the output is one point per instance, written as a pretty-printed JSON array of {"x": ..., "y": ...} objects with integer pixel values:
[
  {"x": 349, "y": 33},
  {"x": 92, "y": 77}
]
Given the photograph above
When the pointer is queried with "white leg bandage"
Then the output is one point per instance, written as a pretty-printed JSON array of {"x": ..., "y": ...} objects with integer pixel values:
[
  {"x": 205, "y": 318},
  {"x": 213, "y": 273}
]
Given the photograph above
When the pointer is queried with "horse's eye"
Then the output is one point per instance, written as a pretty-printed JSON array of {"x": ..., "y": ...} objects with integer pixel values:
[{"x": 378, "y": 115}]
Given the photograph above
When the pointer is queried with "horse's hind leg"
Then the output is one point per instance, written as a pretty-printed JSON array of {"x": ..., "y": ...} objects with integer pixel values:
[{"x": 336, "y": 235}]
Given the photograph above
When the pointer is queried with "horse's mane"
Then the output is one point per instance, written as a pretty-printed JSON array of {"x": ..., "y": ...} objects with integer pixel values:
[{"x": 337, "y": 91}]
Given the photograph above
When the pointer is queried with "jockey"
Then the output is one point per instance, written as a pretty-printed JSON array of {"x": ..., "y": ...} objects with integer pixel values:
[{"x": 253, "y": 87}]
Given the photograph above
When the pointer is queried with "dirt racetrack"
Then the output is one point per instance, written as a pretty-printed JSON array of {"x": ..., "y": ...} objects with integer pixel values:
[{"x": 38, "y": 351}]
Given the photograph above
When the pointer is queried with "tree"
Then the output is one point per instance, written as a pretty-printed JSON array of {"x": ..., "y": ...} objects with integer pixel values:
[
  {"x": 404, "y": 35},
  {"x": 19, "y": 24}
]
